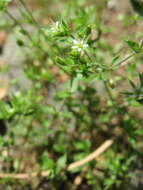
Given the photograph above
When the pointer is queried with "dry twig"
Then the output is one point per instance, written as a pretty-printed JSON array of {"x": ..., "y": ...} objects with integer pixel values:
[
  {"x": 72, "y": 166},
  {"x": 91, "y": 156}
]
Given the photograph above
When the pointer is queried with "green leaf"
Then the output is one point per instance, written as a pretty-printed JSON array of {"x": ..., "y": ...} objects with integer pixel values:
[
  {"x": 47, "y": 162},
  {"x": 60, "y": 61},
  {"x": 20, "y": 43},
  {"x": 115, "y": 61},
  {"x": 61, "y": 163},
  {"x": 132, "y": 84},
  {"x": 141, "y": 79},
  {"x": 134, "y": 46},
  {"x": 74, "y": 85},
  {"x": 3, "y": 4}
]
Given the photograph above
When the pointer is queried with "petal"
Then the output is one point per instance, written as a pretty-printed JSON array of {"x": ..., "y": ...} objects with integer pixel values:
[
  {"x": 57, "y": 23},
  {"x": 53, "y": 29},
  {"x": 85, "y": 45},
  {"x": 79, "y": 49},
  {"x": 74, "y": 47},
  {"x": 75, "y": 41}
]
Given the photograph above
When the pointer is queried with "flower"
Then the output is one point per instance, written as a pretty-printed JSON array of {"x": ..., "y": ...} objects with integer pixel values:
[
  {"x": 79, "y": 45},
  {"x": 59, "y": 29},
  {"x": 56, "y": 27}
]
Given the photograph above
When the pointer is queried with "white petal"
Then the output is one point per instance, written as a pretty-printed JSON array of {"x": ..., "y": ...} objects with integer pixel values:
[
  {"x": 53, "y": 29},
  {"x": 75, "y": 41},
  {"x": 85, "y": 45},
  {"x": 74, "y": 47},
  {"x": 57, "y": 23},
  {"x": 79, "y": 49}
]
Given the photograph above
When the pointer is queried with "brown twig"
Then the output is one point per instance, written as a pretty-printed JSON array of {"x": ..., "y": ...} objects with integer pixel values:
[
  {"x": 24, "y": 175},
  {"x": 91, "y": 156},
  {"x": 72, "y": 166}
]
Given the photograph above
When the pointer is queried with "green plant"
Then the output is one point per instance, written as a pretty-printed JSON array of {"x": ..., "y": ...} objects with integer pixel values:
[{"x": 77, "y": 100}]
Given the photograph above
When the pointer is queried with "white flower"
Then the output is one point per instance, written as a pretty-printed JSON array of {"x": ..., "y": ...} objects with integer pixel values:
[
  {"x": 79, "y": 45},
  {"x": 55, "y": 27}
]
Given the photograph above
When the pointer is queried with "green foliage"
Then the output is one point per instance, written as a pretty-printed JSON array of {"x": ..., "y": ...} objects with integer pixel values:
[
  {"x": 137, "y": 6},
  {"x": 79, "y": 97},
  {"x": 3, "y": 4},
  {"x": 137, "y": 92},
  {"x": 134, "y": 46}
]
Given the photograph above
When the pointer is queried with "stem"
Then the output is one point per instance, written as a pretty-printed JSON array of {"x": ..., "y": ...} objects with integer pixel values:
[
  {"x": 28, "y": 11},
  {"x": 17, "y": 23},
  {"x": 71, "y": 84},
  {"x": 27, "y": 34},
  {"x": 32, "y": 17},
  {"x": 125, "y": 59},
  {"x": 108, "y": 91},
  {"x": 30, "y": 14},
  {"x": 88, "y": 56}
]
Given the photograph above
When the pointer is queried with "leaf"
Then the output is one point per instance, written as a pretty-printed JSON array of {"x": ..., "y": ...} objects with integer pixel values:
[
  {"x": 127, "y": 93},
  {"x": 61, "y": 163},
  {"x": 20, "y": 43},
  {"x": 140, "y": 100},
  {"x": 115, "y": 60},
  {"x": 132, "y": 84},
  {"x": 74, "y": 85},
  {"x": 141, "y": 79},
  {"x": 3, "y": 4},
  {"x": 60, "y": 61},
  {"x": 47, "y": 162},
  {"x": 134, "y": 46},
  {"x": 64, "y": 23}
]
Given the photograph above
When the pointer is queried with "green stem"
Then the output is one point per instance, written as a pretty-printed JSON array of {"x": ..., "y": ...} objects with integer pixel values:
[
  {"x": 31, "y": 15},
  {"x": 71, "y": 83},
  {"x": 126, "y": 59},
  {"x": 28, "y": 11},
  {"x": 27, "y": 34},
  {"x": 17, "y": 23},
  {"x": 108, "y": 91},
  {"x": 90, "y": 58}
]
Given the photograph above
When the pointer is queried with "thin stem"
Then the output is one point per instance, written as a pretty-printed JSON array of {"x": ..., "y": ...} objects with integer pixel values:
[
  {"x": 88, "y": 56},
  {"x": 108, "y": 90},
  {"x": 27, "y": 34},
  {"x": 71, "y": 84},
  {"x": 32, "y": 17},
  {"x": 125, "y": 59},
  {"x": 16, "y": 22},
  {"x": 28, "y": 11}
]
